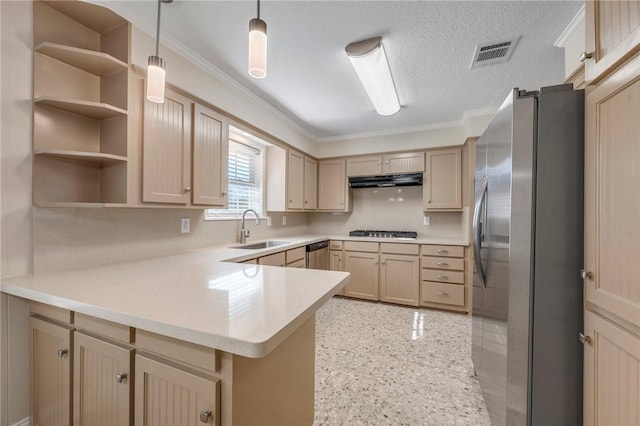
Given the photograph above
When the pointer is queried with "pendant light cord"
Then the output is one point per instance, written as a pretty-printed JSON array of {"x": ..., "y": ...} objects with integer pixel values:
[
  {"x": 258, "y": 9},
  {"x": 158, "y": 28}
]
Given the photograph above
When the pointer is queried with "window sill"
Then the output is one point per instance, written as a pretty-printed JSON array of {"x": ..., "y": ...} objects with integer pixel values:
[{"x": 239, "y": 218}]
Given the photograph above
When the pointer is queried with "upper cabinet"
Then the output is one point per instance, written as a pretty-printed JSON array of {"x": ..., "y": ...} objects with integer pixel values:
[
  {"x": 373, "y": 165},
  {"x": 333, "y": 191},
  {"x": 175, "y": 132},
  {"x": 291, "y": 180},
  {"x": 80, "y": 112},
  {"x": 612, "y": 30},
  {"x": 442, "y": 184}
]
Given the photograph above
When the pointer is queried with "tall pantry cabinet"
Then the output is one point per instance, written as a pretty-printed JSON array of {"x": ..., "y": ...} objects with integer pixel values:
[{"x": 612, "y": 214}]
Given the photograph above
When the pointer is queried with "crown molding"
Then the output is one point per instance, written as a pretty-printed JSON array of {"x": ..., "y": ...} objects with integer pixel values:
[
  {"x": 472, "y": 113},
  {"x": 571, "y": 29},
  {"x": 391, "y": 132}
]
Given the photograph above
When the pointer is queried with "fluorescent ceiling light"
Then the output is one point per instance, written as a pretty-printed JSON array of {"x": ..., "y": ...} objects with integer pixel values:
[{"x": 371, "y": 66}]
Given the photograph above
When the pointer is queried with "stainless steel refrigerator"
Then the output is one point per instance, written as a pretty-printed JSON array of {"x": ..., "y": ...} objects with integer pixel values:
[{"x": 527, "y": 238}]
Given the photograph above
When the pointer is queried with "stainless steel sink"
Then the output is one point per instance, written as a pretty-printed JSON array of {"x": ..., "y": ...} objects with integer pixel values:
[{"x": 262, "y": 245}]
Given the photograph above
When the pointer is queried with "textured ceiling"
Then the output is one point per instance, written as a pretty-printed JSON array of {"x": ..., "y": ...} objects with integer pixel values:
[{"x": 429, "y": 45}]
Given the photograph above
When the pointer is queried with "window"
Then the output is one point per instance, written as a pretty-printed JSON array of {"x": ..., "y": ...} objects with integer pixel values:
[{"x": 246, "y": 177}]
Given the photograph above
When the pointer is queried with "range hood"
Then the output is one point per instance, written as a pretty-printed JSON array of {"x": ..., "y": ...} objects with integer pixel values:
[{"x": 412, "y": 179}]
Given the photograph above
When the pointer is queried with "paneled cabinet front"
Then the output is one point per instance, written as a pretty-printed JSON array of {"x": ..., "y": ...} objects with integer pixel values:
[
  {"x": 295, "y": 180},
  {"x": 399, "y": 278},
  {"x": 442, "y": 186},
  {"x": 364, "y": 275},
  {"x": 102, "y": 388},
  {"x": 333, "y": 192},
  {"x": 336, "y": 264},
  {"x": 185, "y": 153}
]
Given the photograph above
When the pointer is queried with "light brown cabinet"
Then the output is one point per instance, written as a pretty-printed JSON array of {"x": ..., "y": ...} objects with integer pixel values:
[
  {"x": 333, "y": 191},
  {"x": 336, "y": 261},
  {"x": 166, "y": 395},
  {"x": 364, "y": 275},
  {"x": 295, "y": 180},
  {"x": 399, "y": 279},
  {"x": 612, "y": 363},
  {"x": 612, "y": 30},
  {"x": 175, "y": 132},
  {"x": 276, "y": 259},
  {"x": 442, "y": 184},
  {"x": 443, "y": 277},
  {"x": 51, "y": 372},
  {"x": 310, "y": 183},
  {"x": 373, "y": 165},
  {"x": 80, "y": 112},
  {"x": 102, "y": 387}
]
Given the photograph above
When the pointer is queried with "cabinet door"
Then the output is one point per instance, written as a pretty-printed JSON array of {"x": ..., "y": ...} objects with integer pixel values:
[
  {"x": 612, "y": 30},
  {"x": 332, "y": 186},
  {"x": 276, "y": 259},
  {"x": 335, "y": 264},
  {"x": 166, "y": 396},
  {"x": 612, "y": 198},
  {"x": 442, "y": 184},
  {"x": 210, "y": 157},
  {"x": 295, "y": 180},
  {"x": 101, "y": 382},
  {"x": 364, "y": 275},
  {"x": 166, "y": 154},
  {"x": 399, "y": 279},
  {"x": 364, "y": 166},
  {"x": 412, "y": 162},
  {"x": 310, "y": 183},
  {"x": 51, "y": 358},
  {"x": 611, "y": 374}
]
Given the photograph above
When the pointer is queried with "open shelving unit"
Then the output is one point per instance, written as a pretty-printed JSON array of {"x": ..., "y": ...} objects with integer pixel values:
[{"x": 81, "y": 73}]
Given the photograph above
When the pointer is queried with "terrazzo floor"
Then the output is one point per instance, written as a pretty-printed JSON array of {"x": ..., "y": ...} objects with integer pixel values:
[{"x": 379, "y": 364}]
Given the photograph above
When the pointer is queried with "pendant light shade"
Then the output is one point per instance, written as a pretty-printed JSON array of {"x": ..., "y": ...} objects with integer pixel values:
[
  {"x": 258, "y": 47},
  {"x": 155, "y": 68}
]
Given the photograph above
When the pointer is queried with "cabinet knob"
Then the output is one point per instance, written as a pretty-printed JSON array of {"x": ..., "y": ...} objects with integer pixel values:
[
  {"x": 443, "y": 251},
  {"x": 443, "y": 294},
  {"x": 428, "y": 201},
  {"x": 62, "y": 353},
  {"x": 379, "y": 163},
  {"x": 306, "y": 202},
  {"x": 586, "y": 274},
  {"x": 205, "y": 416},
  {"x": 586, "y": 55},
  {"x": 187, "y": 189},
  {"x": 585, "y": 339},
  {"x": 224, "y": 193},
  {"x": 290, "y": 201},
  {"x": 384, "y": 262},
  {"x": 121, "y": 377},
  {"x": 443, "y": 277}
]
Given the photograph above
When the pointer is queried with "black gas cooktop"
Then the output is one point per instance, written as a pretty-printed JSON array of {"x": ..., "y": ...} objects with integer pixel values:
[{"x": 383, "y": 234}]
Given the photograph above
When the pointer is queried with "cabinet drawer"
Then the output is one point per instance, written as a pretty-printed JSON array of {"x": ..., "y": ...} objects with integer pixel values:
[
  {"x": 104, "y": 328},
  {"x": 297, "y": 264},
  {"x": 361, "y": 246},
  {"x": 449, "y": 294},
  {"x": 399, "y": 248},
  {"x": 251, "y": 261},
  {"x": 178, "y": 350},
  {"x": 335, "y": 245},
  {"x": 443, "y": 263},
  {"x": 442, "y": 276},
  {"x": 444, "y": 251},
  {"x": 295, "y": 255},
  {"x": 276, "y": 259},
  {"x": 51, "y": 312}
]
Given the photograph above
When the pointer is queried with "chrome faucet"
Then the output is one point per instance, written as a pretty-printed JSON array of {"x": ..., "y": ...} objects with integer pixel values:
[{"x": 244, "y": 233}]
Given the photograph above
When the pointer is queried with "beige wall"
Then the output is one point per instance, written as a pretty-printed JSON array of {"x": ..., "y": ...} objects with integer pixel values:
[{"x": 390, "y": 208}]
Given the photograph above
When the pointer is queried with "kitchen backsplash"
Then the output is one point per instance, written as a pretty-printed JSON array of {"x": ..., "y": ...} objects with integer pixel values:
[{"x": 396, "y": 209}]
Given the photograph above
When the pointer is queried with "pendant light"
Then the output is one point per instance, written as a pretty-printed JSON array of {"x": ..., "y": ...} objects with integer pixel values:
[
  {"x": 155, "y": 68},
  {"x": 257, "y": 47}
]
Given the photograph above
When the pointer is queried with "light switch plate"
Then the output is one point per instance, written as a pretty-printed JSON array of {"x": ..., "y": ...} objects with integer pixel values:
[
  {"x": 284, "y": 221},
  {"x": 185, "y": 225},
  {"x": 268, "y": 220},
  {"x": 427, "y": 220}
]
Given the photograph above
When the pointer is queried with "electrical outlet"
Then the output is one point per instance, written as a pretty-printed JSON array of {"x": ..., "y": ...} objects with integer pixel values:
[
  {"x": 268, "y": 220},
  {"x": 284, "y": 221},
  {"x": 427, "y": 220},
  {"x": 185, "y": 225}
]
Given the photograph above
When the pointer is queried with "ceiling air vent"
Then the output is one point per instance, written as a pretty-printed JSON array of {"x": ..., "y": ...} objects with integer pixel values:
[{"x": 493, "y": 53}]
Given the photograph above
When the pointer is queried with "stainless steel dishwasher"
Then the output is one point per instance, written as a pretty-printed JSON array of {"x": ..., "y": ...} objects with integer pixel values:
[{"x": 318, "y": 255}]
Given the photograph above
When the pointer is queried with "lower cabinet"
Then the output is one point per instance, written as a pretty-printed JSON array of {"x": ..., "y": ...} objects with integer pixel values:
[
  {"x": 276, "y": 259},
  {"x": 399, "y": 277},
  {"x": 443, "y": 277},
  {"x": 611, "y": 370},
  {"x": 166, "y": 395},
  {"x": 51, "y": 372},
  {"x": 364, "y": 275},
  {"x": 336, "y": 264},
  {"x": 101, "y": 382}
]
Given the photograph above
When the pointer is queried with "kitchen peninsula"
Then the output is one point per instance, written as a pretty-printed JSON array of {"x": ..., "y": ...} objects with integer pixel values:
[{"x": 182, "y": 337}]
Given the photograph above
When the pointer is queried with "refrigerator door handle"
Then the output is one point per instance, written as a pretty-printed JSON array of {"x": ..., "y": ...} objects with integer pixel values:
[{"x": 477, "y": 232}]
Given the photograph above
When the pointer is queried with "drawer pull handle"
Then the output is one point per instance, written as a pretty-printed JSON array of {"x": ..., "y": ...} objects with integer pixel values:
[
  {"x": 586, "y": 55},
  {"x": 443, "y": 264},
  {"x": 585, "y": 339},
  {"x": 586, "y": 274},
  {"x": 121, "y": 377},
  {"x": 187, "y": 189},
  {"x": 443, "y": 277},
  {"x": 205, "y": 416},
  {"x": 62, "y": 353},
  {"x": 443, "y": 251},
  {"x": 443, "y": 294}
]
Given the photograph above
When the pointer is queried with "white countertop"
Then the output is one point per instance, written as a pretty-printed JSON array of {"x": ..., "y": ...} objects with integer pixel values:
[{"x": 196, "y": 296}]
